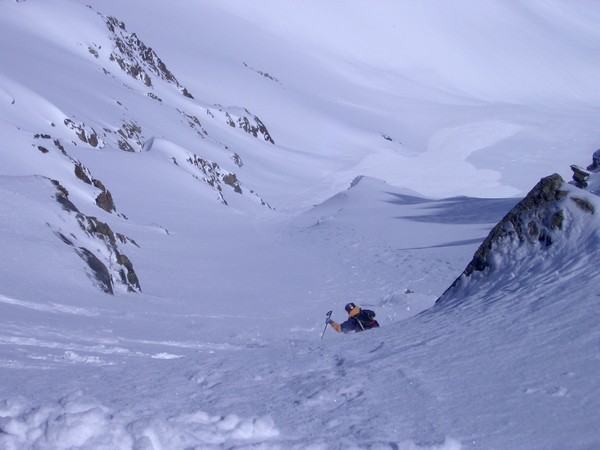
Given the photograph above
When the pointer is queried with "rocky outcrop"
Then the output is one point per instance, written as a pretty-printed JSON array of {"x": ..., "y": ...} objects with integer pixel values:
[
  {"x": 580, "y": 176},
  {"x": 119, "y": 262},
  {"x": 107, "y": 264},
  {"x": 262, "y": 73},
  {"x": 246, "y": 121},
  {"x": 539, "y": 220},
  {"x": 595, "y": 165},
  {"x": 218, "y": 178},
  {"x": 536, "y": 218},
  {"x": 85, "y": 134},
  {"x": 100, "y": 273},
  {"x": 130, "y": 137},
  {"x": 212, "y": 174},
  {"x": 62, "y": 197},
  {"x": 104, "y": 199},
  {"x": 134, "y": 57},
  {"x": 194, "y": 123}
]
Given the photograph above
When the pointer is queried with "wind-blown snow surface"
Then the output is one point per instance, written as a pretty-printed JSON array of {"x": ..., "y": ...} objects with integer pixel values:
[{"x": 221, "y": 348}]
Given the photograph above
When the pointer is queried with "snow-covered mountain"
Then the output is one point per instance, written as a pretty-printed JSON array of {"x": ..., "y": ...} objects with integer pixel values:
[{"x": 187, "y": 187}]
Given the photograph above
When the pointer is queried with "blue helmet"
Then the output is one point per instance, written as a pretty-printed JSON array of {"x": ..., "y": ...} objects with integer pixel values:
[{"x": 349, "y": 307}]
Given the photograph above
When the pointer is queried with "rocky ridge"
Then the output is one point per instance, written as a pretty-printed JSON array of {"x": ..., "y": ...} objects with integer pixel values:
[
  {"x": 99, "y": 247},
  {"x": 536, "y": 221}
]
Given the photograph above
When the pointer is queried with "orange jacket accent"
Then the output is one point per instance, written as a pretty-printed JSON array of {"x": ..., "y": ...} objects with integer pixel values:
[{"x": 336, "y": 326}]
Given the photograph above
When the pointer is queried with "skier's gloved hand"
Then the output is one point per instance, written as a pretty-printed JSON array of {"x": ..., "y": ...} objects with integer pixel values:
[{"x": 329, "y": 321}]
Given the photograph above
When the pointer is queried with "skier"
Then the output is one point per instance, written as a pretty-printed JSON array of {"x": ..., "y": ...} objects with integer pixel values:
[{"x": 358, "y": 320}]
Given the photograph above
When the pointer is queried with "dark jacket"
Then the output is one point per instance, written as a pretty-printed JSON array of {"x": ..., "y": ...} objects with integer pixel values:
[{"x": 358, "y": 320}]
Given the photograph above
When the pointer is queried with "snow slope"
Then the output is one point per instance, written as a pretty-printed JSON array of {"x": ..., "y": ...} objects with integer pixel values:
[
  {"x": 508, "y": 367},
  {"x": 269, "y": 162},
  {"x": 447, "y": 92},
  {"x": 499, "y": 95}
]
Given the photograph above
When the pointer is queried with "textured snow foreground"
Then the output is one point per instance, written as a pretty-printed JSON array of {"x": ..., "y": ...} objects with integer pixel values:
[
  {"x": 78, "y": 422},
  {"x": 505, "y": 360},
  {"x": 90, "y": 371}
]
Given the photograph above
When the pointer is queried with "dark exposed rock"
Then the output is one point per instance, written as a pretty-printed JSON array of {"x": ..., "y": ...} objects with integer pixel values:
[
  {"x": 153, "y": 96},
  {"x": 231, "y": 180},
  {"x": 584, "y": 205},
  {"x": 128, "y": 278},
  {"x": 261, "y": 73},
  {"x": 580, "y": 176},
  {"x": 97, "y": 228},
  {"x": 595, "y": 166},
  {"x": 136, "y": 59},
  {"x": 556, "y": 223},
  {"x": 64, "y": 238},
  {"x": 125, "y": 239},
  {"x": 249, "y": 123},
  {"x": 104, "y": 200},
  {"x": 130, "y": 132},
  {"x": 93, "y": 140},
  {"x": 82, "y": 173},
  {"x": 59, "y": 146},
  {"x": 237, "y": 159},
  {"x": 255, "y": 129},
  {"x": 87, "y": 136},
  {"x": 125, "y": 146},
  {"x": 99, "y": 270},
  {"x": 43, "y": 148},
  {"x": 62, "y": 197},
  {"x": 102, "y": 231},
  {"x": 211, "y": 174},
  {"x": 230, "y": 121},
  {"x": 194, "y": 123},
  {"x": 216, "y": 177}
]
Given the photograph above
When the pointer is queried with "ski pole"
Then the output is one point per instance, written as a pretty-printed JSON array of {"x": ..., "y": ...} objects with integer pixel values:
[{"x": 326, "y": 323}]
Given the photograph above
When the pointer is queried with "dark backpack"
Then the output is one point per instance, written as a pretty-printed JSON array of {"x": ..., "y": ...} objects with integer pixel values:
[{"x": 366, "y": 318}]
